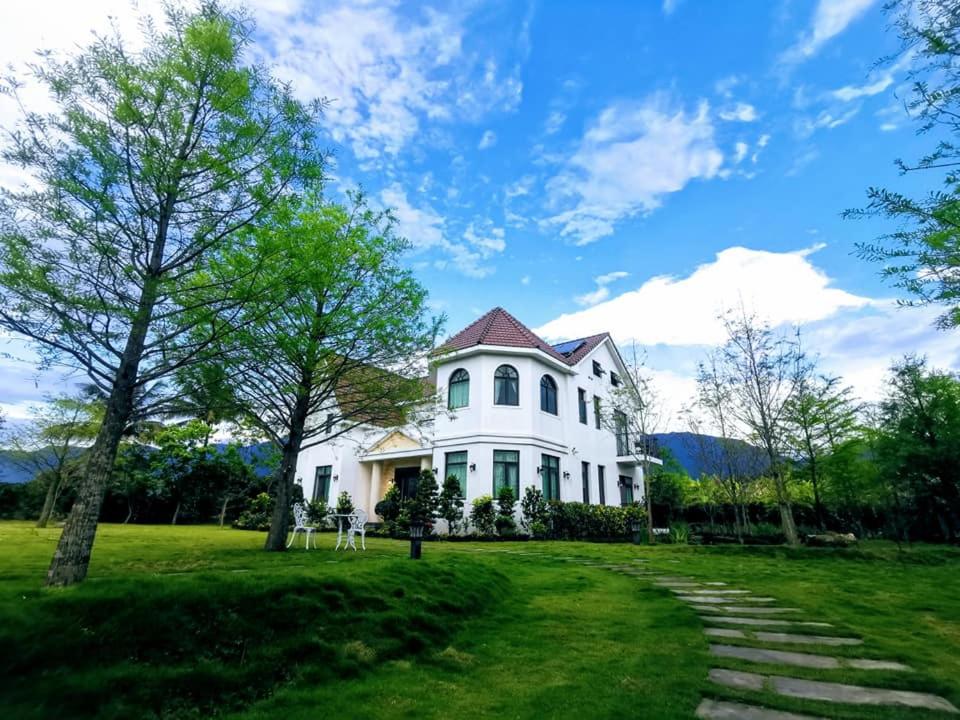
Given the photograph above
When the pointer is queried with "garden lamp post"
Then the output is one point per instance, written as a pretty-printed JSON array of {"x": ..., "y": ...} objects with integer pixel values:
[
  {"x": 635, "y": 528},
  {"x": 416, "y": 538}
]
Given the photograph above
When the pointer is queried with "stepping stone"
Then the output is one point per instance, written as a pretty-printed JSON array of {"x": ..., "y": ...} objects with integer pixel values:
[
  {"x": 737, "y": 679},
  {"x": 675, "y": 579},
  {"x": 721, "y": 710},
  {"x": 720, "y": 592},
  {"x": 858, "y": 694},
  {"x": 715, "y": 583},
  {"x": 719, "y": 599},
  {"x": 806, "y": 639},
  {"x": 726, "y": 633},
  {"x": 752, "y": 610},
  {"x": 798, "y": 659},
  {"x": 761, "y": 621}
]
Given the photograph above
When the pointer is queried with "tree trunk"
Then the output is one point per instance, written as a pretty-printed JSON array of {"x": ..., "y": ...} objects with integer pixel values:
[
  {"x": 648, "y": 497},
  {"x": 71, "y": 559},
  {"x": 48, "y": 502},
  {"x": 223, "y": 509},
  {"x": 786, "y": 511},
  {"x": 280, "y": 521},
  {"x": 176, "y": 514},
  {"x": 129, "y": 513}
]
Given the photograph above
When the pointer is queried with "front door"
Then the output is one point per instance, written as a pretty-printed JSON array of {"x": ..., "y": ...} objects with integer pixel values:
[{"x": 406, "y": 479}]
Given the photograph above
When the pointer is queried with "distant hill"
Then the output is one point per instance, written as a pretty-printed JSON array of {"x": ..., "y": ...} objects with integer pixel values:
[{"x": 685, "y": 448}]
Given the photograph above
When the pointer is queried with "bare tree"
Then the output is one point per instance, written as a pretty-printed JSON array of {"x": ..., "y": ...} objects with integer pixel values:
[
  {"x": 761, "y": 372},
  {"x": 635, "y": 412}
]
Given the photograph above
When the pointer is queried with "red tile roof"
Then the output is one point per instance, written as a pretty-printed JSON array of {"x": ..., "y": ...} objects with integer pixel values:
[{"x": 498, "y": 327}]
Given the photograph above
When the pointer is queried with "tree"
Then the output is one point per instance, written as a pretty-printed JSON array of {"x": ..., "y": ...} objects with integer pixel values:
[
  {"x": 52, "y": 442},
  {"x": 337, "y": 338},
  {"x": 634, "y": 414},
  {"x": 762, "y": 372},
  {"x": 423, "y": 506},
  {"x": 921, "y": 256},
  {"x": 153, "y": 160},
  {"x": 451, "y": 503},
  {"x": 918, "y": 446},
  {"x": 819, "y": 418}
]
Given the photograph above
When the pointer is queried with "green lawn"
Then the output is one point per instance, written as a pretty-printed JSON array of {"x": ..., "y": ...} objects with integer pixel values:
[{"x": 196, "y": 621}]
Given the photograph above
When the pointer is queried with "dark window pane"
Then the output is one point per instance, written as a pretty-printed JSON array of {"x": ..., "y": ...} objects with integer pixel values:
[
  {"x": 457, "y": 467},
  {"x": 506, "y": 386},
  {"x": 550, "y": 476},
  {"x": 582, "y": 402},
  {"x": 601, "y": 483},
  {"x": 548, "y": 395},
  {"x": 459, "y": 394},
  {"x": 321, "y": 483},
  {"x": 506, "y": 471},
  {"x": 585, "y": 474}
]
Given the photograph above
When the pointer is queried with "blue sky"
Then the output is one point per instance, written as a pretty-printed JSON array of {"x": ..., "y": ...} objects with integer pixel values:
[{"x": 626, "y": 166}]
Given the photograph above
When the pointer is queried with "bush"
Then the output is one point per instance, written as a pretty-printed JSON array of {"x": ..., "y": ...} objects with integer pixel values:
[
  {"x": 451, "y": 503},
  {"x": 389, "y": 508},
  {"x": 317, "y": 512},
  {"x": 506, "y": 506},
  {"x": 533, "y": 509},
  {"x": 422, "y": 508},
  {"x": 256, "y": 516},
  {"x": 483, "y": 515},
  {"x": 344, "y": 503}
]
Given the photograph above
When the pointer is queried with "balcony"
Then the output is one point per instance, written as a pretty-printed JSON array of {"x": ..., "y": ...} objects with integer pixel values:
[{"x": 631, "y": 447}]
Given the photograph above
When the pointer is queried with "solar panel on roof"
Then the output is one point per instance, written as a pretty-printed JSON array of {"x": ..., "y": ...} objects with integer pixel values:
[{"x": 569, "y": 348}]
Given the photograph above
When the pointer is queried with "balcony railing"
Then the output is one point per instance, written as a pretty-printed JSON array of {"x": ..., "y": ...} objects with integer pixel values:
[{"x": 632, "y": 445}]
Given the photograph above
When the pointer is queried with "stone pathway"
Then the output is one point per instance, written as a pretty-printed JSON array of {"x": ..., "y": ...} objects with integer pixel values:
[{"x": 756, "y": 620}]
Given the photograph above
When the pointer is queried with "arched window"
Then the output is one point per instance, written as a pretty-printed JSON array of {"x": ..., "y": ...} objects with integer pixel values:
[
  {"x": 459, "y": 394},
  {"x": 548, "y": 395},
  {"x": 506, "y": 386}
]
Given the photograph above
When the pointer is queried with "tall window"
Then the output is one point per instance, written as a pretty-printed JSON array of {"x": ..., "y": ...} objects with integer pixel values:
[
  {"x": 457, "y": 467},
  {"x": 602, "y": 483},
  {"x": 459, "y": 393},
  {"x": 548, "y": 395},
  {"x": 614, "y": 379},
  {"x": 596, "y": 411},
  {"x": 550, "y": 474},
  {"x": 585, "y": 475},
  {"x": 582, "y": 403},
  {"x": 626, "y": 490},
  {"x": 506, "y": 386},
  {"x": 597, "y": 369},
  {"x": 623, "y": 436},
  {"x": 506, "y": 471},
  {"x": 321, "y": 483}
]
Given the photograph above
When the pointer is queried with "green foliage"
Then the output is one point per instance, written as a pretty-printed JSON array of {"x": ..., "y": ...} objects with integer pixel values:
[
  {"x": 918, "y": 446},
  {"x": 256, "y": 516},
  {"x": 921, "y": 256},
  {"x": 389, "y": 508},
  {"x": 579, "y": 521},
  {"x": 533, "y": 509},
  {"x": 450, "y": 506},
  {"x": 505, "y": 523},
  {"x": 679, "y": 533},
  {"x": 423, "y": 506},
  {"x": 317, "y": 512},
  {"x": 344, "y": 503},
  {"x": 483, "y": 515}
]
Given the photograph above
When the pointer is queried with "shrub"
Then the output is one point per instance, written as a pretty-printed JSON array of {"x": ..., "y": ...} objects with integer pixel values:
[
  {"x": 344, "y": 503},
  {"x": 256, "y": 516},
  {"x": 533, "y": 508},
  {"x": 423, "y": 507},
  {"x": 451, "y": 503},
  {"x": 506, "y": 504},
  {"x": 680, "y": 533},
  {"x": 483, "y": 515},
  {"x": 389, "y": 508},
  {"x": 317, "y": 512}
]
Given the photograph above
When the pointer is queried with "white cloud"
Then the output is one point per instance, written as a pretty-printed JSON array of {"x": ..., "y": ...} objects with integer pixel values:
[
  {"x": 489, "y": 139},
  {"x": 786, "y": 287},
  {"x": 801, "y": 161},
  {"x": 525, "y": 280},
  {"x": 830, "y": 18},
  {"x": 632, "y": 155},
  {"x": 740, "y": 152},
  {"x": 555, "y": 121},
  {"x": 741, "y": 112},
  {"x": 425, "y": 229},
  {"x": 602, "y": 292},
  {"x": 488, "y": 244},
  {"x": 854, "y": 92},
  {"x": 807, "y": 126}
]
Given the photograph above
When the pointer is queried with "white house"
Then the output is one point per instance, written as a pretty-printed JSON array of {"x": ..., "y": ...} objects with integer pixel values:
[{"x": 516, "y": 411}]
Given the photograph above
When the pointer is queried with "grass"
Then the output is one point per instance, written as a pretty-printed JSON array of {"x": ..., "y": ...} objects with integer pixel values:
[{"x": 182, "y": 622}]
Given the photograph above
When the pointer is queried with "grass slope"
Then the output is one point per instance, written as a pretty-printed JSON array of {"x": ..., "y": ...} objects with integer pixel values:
[{"x": 180, "y": 622}]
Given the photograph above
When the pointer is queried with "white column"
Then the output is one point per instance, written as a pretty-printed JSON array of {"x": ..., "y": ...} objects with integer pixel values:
[
  {"x": 375, "y": 474},
  {"x": 425, "y": 463}
]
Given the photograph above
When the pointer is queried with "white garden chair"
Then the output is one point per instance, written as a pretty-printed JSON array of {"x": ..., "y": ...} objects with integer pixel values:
[
  {"x": 299, "y": 518},
  {"x": 358, "y": 524}
]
